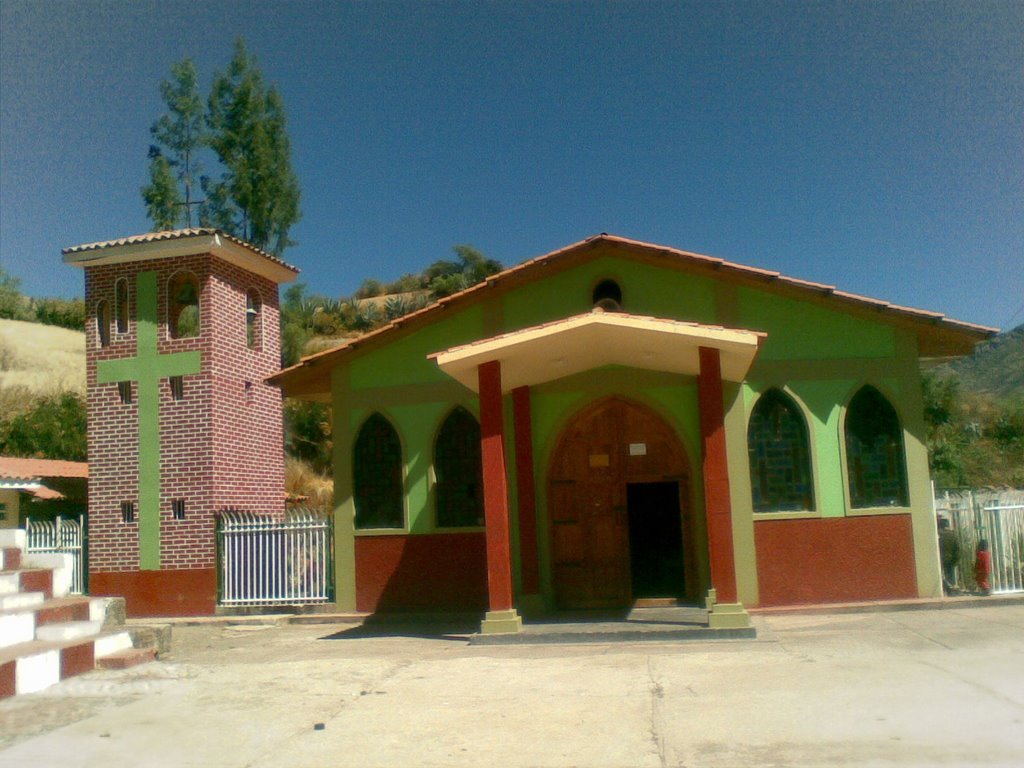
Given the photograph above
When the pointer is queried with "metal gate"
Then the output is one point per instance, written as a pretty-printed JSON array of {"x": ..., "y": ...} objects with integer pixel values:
[
  {"x": 264, "y": 561},
  {"x": 60, "y": 536},
  {"x": 997, "y": 517}
]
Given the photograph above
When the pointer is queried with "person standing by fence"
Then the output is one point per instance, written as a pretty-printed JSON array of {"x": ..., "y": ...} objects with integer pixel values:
[
  {"x": 983, "y": 567},
  {"x": 949, "y": 549}
]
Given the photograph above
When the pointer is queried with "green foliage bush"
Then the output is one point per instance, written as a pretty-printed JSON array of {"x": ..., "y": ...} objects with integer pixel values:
[
  {"x": 974, "y": 439},
  {"x": 52, "y": 427},
  {"x": 308, "y": 434},
  {"x": 66, "y": 313}
]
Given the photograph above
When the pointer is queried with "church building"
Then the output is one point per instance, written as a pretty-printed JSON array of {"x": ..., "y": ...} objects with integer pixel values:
[{"x": 617, "y": 421}]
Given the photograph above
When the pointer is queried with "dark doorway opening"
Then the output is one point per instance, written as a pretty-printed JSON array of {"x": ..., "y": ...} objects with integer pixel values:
[{"x": 655, "y": 540}]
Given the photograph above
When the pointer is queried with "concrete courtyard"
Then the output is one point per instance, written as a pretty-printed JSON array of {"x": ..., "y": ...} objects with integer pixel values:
[{"x": 921, "y": 688}]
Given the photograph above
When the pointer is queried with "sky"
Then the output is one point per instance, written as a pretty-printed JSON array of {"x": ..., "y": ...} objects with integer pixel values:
[{"x": 878, "y": 147}]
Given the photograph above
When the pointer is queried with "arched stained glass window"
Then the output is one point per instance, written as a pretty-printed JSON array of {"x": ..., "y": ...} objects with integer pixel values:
[
  {"x": 875, "y": 463},
  {"x": 103, "y": 323},
  {"x": 377, "y": 475},
  {"x": 121, "y": 305},
  {"x": 459, "y": 472},
  {"x": 183, "y": 317},
  {"x": 780, "y": 463}
]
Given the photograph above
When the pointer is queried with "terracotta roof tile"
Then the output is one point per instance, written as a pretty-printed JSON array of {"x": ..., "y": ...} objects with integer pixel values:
[
  {"x": 174, "y": 234},
  {"x": 672, "y": 254},
  {"x": 18, "y": 468}
]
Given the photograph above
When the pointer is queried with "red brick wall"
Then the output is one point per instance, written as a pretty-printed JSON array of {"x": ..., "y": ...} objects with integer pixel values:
[
  {"x": 160, "y": 593},
  {"x": 833, "y": 560},
  {"x": 221, "y": 446},
  {"x": 443, "y": 572}
]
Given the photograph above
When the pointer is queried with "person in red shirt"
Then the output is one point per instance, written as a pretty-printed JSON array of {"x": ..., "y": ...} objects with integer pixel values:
[{"x": 983, "y": 567}]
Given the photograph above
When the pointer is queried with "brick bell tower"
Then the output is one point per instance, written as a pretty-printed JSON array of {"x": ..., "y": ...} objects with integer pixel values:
[{"x": 182, "y": 328}]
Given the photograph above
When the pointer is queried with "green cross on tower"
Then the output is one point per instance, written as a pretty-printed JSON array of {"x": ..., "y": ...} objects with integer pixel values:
[{"x": 147, "y": 368}]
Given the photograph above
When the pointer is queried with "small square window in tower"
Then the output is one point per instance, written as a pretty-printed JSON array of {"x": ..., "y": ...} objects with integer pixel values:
[
  {"x": 177, "y": 387},
  {"x": 124, "y": 389},
  {"x": 178, "y": 509},
  {"x": 127, "y": 511}
]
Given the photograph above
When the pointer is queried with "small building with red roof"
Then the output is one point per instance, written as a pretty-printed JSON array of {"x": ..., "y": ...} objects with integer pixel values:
[{"x": 42, "y": 487}]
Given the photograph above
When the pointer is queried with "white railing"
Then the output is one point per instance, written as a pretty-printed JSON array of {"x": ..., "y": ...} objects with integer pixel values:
[
  {"x": 998, "y": 517},
  {"x": 264, "y": 561},
  {"x": 60, "y": 536}
]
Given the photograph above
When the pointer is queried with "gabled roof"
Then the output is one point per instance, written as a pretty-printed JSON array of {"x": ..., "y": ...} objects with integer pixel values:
[
  {"x": 938, "y": 336},
  {"x": 174, "y": 242},
  {"x": 573, "y": 345}
]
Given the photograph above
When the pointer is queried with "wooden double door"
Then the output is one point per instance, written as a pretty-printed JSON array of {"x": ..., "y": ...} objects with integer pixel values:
[{"x": 618, "y": 501}]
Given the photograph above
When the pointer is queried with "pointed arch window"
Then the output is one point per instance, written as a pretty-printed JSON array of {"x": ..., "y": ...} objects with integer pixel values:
[
  {"x": 183, "y": 316},
  {"x": 459, "y": 472},
  {"x": 121, "y": 309},
  {"x": 377, "y": 475},
  {"x": 780, "y": 458},
  {"x": 103, "y": 319},
  {"x": 253, "y": 319},
  {"x": 875, "y": 461}
]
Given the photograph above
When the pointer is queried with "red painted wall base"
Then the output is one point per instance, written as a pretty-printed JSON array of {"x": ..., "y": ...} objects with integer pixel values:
[
  {"x": 159, "y": 593},
  {"x": 443, "y": 572},
  {"x": 835, "y": 560}
]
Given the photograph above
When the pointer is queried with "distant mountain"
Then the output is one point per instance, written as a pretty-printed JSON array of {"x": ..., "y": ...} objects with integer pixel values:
[{"x": 996, "y": 367}]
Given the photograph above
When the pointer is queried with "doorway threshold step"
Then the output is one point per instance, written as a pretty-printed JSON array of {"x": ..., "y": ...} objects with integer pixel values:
[{"x": 611, "y": 632}]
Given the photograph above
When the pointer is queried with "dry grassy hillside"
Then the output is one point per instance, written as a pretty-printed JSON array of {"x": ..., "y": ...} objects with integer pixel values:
[{"x": 41, "y": 358}]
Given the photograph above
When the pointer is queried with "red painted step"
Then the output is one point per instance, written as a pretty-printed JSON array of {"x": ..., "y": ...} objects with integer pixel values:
[
  {"x": 61, "y": 609},
  {"x": 128, "y": 658},
  {"x": 10, "y": 559}
]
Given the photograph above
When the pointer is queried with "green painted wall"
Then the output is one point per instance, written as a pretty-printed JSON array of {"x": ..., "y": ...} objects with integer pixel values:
[
  {"x": 646, "y": 290},
  {"x": 818, "y": 355},
  {"x": 404, "y": 361},
  {"x": 800, "y": 330}
]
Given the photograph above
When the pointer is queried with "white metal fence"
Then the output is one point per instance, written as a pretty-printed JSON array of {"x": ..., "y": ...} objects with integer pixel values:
[
  {"x": 62, "y": 536},
  {"x": 263, "y": 561},
  {"x": 998, "y": 517}
]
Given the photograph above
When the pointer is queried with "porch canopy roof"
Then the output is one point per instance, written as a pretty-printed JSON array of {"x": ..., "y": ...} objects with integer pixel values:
[{"x": 577, "y": 344}]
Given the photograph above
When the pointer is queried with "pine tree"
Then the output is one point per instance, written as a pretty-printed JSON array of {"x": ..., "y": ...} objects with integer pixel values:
[
  {"x": 179, "y": 135},
  {"x": 257, "y": 198},
  {"x": 163, "y": 201}
]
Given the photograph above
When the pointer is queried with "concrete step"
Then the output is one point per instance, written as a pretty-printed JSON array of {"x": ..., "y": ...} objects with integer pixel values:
[
  {"x": 113, "y": 642},
  {"x": 68, "y": 630},
  {"x": 10, "y": 558},
  {"x": 17, "y": 627},
  {"x": 21, "y": 600},
  {"x": 61, "y": 609},
  {"x": 10, "y": 582},
  {"x": 57, "y": 567},
  {"x": 127, "y": 658},
  {"x": 33, "y": 666},
  {"x": 37, "y": 580},
  {"x": 19, "y": 624},
  {"x": 13, "y": 538}
]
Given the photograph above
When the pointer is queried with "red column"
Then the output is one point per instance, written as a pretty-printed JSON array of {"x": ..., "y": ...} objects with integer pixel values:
[
  {"x": 526, "y": 491},
  {"x": 492, "y": 450},
  {"x": 716, "y": 476}
]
